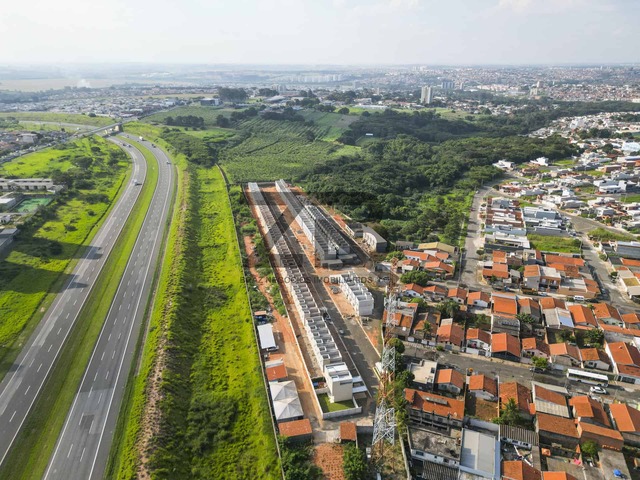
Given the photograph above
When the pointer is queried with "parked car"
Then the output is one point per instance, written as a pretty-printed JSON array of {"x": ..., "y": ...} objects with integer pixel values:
[
  {"x": 598, "y": 389},
  {"x": 536, "y": 370}
]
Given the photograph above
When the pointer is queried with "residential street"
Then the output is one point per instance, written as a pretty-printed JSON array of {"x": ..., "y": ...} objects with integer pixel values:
[{"x": 510, "y": 371}]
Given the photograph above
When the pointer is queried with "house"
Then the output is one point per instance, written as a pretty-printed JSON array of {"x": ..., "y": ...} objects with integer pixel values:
[
  {"x": 451, "y": 334},
  {"x": 582, "y": 316},
  {"x": 425, "y": 326},
  {"x": 459, "y": 295},
  {"x": 532, "y": 347},
  {"x": 627, "y": 249},
  {"x": 275, "y": 370},
  {"x": 558, "y": 318},
  {"x": 479, "y": 340},
  {"x": 625, "y": 359},
  {"x": 424, "y": 374},
  {"x": 518, "y": 436},
  {"x": 520, "y": 394},
  {"x": 594, "y": 358},
  {"x": 552, "y": 400},
  {"x": 529, "y": 306},
  {"x": 504, "y": 305},
  {"x": 557, "y": 430},
  {"x": 588, "y": 410},
  {"x": 413, "y": 290},
  {"x": 605, "y": 437},
  {"x": 348, "y": 432},
  {"x": 439, "y": 246},
  {"x": 480, "y": 456},
  {"x": 286, "y": 403},
  {"x": 450, "y": 380},
  {"x": 434, "y": 411},
  {"x": 626, "y": 420},
  {"x": 607, "y": 314},
  {"x": 439, "y": 269},
  {"x": 434, "y": 293},
  {"x": 436, "y": 450},
  {"x": 373, "y": 240},
  {"x": 478, "y": 299},
  {"x": 483, "y": 387},
  {"x": 519, "y": 470},
  {"x": 565, "y": 354},
  {"x": 549, "y": 303},
  {"x": 505, "y": 346},
  {"x": 631, "y": 320},
  {"x": 296, "y": 430}
]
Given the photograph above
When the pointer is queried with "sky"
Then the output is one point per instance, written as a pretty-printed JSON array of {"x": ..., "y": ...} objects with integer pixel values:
[{"x": 320, "y": 32}]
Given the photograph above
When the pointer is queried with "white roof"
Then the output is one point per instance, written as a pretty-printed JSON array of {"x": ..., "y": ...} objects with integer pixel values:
[
  {"x": 286, "y": 403},
  {"x": 267, "y": 340},
  {"x": 479, "y": 453}
]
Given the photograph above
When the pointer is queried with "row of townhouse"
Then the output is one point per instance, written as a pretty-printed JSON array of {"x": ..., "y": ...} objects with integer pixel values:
[{"x": 324, "y": 349}]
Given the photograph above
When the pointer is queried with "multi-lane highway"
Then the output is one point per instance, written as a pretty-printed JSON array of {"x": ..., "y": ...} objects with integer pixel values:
[
  {"x": 83, "y": 446},
  {"x": 21, "y": 386}
]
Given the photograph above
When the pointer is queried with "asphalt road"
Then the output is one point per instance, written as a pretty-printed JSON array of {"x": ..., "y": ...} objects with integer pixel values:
[
  {"x": 22, "y": 384},
  {"x": 83, "y": 446}
]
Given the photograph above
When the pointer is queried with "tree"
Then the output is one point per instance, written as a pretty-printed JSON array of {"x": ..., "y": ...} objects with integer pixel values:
[
  {"x": 510, "y": 414},
  {"x": 449, "y": 308},
  {"x": 540, "y": 362},
  {"x": 397, "y": 254},
  {"x": 594, "y": 337},
  {"x": 526, "y": 318},
  {"x": 590, "y": 448},
  {"x": 354, "y": 463},
  {"x": 416, "y": 276},
  {"x": 344, "y": 111}
]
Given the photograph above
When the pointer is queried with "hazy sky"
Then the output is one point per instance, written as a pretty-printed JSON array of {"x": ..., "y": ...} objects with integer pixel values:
[{"x": 320, "y": 31}]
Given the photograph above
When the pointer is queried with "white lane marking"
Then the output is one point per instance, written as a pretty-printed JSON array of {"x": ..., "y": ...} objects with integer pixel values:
[
  {"x": 119, "y": 335},
  {"x": 109, "y": 339},
  {"x": 14, "y": 414},
  {"x": 82, "y": 454},
  {"x": 28, "y": 388},
  {"x": 82, "y": 290},
  {"x": 100, "y": 397},
  {"x": 102, "y": 357},
  {"x": 95, "y": 376},
  {"x": 59, "y": 330},
  {"x": 67, "y": 315},
  {"x": 113, "y": 354},
  {"x": 106, "y": 377},
  {"x": 49, "y": 349},
  {"x": 39, "y": 367},
  {"x": 70, "y": 448},
  {"x": 74, "y": 303},
  {"x": 32, "y": 360}
]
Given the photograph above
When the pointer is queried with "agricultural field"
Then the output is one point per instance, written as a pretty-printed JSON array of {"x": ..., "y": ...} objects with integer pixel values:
[
  {"x": 52, "y": 238},
  {"x": 59, "y": 117},
  {"x": 213, "y": 413},
  {"x": 554, "y": 244},
  {"x": 209, "y": 114}
]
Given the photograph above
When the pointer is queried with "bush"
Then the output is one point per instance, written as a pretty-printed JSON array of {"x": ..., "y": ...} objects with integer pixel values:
[{"x": 354, "y": 463}]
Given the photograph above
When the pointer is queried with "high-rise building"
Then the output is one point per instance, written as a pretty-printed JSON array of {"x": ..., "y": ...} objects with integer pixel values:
[
  {"x": 448, "y": 85},
  {"x": 426, "y": 95}
]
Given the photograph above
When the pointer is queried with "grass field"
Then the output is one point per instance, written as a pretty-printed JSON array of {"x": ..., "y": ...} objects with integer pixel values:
[
  {"x": 35, "y": 267},
  {"x": 603, "y": 234},
  {"x": 209, "y": 114},
  {"x": 565, "y": 162},
  {"x": 554, "y": 244},
  {"x": 59, "y": 117},
  {"x": 631, "y": 198},
  {"x": 34, "y": 445},
  {"x": 328, "y": 406},
  {"x": 214, "y": 414}
]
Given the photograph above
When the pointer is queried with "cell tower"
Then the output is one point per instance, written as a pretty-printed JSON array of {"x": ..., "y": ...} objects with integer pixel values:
[{"x": 384, "y": 424}]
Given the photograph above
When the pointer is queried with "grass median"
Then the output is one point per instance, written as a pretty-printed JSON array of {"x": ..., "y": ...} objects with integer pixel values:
[{"x": 34, "y": 445}]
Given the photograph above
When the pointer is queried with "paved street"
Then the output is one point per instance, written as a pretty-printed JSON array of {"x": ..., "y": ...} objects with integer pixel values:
[
  {"x": 510, "y": 371},
  {"x": 21, "y": 386},
  {"x": 83, "y": 446}
]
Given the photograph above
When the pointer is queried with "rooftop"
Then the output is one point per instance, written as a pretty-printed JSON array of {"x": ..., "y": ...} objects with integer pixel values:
[
  {"x": 435, "y": 442},
  {"x": 558, "y": 425}
]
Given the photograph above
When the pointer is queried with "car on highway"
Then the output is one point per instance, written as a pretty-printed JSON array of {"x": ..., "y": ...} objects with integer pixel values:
[
  {"x": 137, "y": 182},
  {"x": 598, "y": 389},
  {"x": 537, "y": 370}
]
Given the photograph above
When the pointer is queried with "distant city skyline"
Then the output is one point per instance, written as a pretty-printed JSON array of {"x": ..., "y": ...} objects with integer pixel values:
[{"x": 322, "y": 32}]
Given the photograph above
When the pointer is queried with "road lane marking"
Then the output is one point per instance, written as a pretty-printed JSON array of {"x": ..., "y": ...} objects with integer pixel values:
[
  {"x": 113, "y": 354},
  {"x": 14, "y": 414},
  {"x": 59, "y": 330},
  {"x": 32, "y": 360},
  {"x": 74, "y": 303},
  {"x": 106, "y": 377},
  {"x": 102, "y": 357},
  {"x": 39, "y": 367},
  {"x": 109, "y": 339},
  {"x": 82, "y": 454},
  {"x": 100, "y": 397},
  {"x": 50, "y": 348},
  {"x": 28, "y": 388},
  {"x": 70, "y": 448}
]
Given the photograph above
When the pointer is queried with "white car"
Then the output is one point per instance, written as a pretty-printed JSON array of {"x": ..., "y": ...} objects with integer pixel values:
[{"x": 598, "y": 389}]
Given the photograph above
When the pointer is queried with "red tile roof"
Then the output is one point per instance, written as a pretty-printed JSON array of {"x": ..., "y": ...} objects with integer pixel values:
[
  {"x": 535, "y": 344},
  {"x": 503, "y": 342},
  {"x": 458, "y": 293},
  {"x": 560, "y": 349},
  {"x": 605, "y": 310},
  {"x": 419, "y": 289},
  {"x": 541, "y": 393},
  {"x": 443, "y": 406},
  {"x": 558, "y": 425},
  {"x": 452, "y": 333},
  {"x": 586, "y": 407},
  {"x": 631, "y": 318},
  {"x": 505, "y": 306},
  {"x": 627, "y": 419},
  {"x": 624, "y": 354},
  {"x": 520, "y": 393},
  {"x": 277, "y": 372},
  {"x": 477, "y": 334},
  {"x": 582, "y": 315},
  {"x": 295, "y": 428},
  {"x": 593, "y": 355},
  {"x": 450, "y": 376},
  {"x": 484, "y": 383},
  {"x": 519, "y": 470},
  {"x": 551, "y": 302},
  {"x": 600, "y": 431},
  {"x": 474, "y": 296},
  {"x": 564, "y": 260},
  {"x": 348, "y": 431}
]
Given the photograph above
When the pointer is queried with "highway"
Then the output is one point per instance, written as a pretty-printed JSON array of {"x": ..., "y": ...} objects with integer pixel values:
[
  {"x": 22, "y": 384},
  {"x": 82, "y": 449}
]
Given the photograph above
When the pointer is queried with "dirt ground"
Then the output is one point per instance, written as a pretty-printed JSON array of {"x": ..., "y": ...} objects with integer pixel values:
[
  {"x": 287, "y": 345},
  {"x": 328, "y": 457}
]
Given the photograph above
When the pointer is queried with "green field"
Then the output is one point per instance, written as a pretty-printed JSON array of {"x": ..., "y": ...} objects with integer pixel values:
[
  {"x": 328, "y": 406},
  {"x": 215, "y": 419},
  {"x": 50, "y": 241},
  {"x": 554, "y": 244},
  {"x": 60, "y": 117},
  {"x": 34, "y": 445},
  {"x": 604, "y": 234},
  {"x": 209, "y": 114}
]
